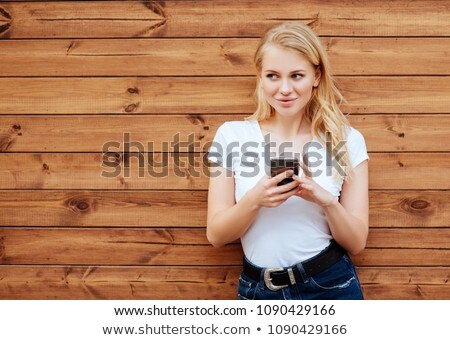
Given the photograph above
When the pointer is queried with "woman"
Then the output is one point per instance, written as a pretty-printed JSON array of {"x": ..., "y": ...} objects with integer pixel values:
[{"x": 295, "y": 236}]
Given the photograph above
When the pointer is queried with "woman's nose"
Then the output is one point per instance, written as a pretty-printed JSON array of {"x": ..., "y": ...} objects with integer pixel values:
[{"x": 286, "y": 87}]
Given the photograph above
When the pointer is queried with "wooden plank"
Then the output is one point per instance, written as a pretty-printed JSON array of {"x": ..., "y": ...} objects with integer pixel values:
[
  {"x": 113, "y": 246},
  {"x": 199, "y": 95},
  {"x": 113, "y": 208},
  {"x": 409, "y": 238},
  {"x": 188, "y": 208},
  {"x": 200, "y": 274},
  {"x": 67, "y": 282},
  {"x": 403, "y": 132},
  {"x": 402, "y": 257},
  {"x": 385, "y": 133},
  {"x": 212, "y": 57},
  {"x": 82, "y": 19},
  {"x": 411, "y": 171},
  {"x": 189, "y": 291},
  {"x": 90, "y": 171},
  {"x": 186, "y": 246},
  {"x": 401, "y": 276},
  {"x": 406, "y": 292},
  {"x": 409, "y": 208}
]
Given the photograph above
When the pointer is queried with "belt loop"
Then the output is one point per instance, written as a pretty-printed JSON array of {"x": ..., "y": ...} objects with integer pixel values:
[{"x": 302, "y": 272}]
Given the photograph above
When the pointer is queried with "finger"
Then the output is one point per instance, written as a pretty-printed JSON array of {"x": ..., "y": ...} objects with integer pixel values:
[
  {"x": 282, "y": 175},
  {"x": 286, "y": 195},
  {"x": 307, "y": 186},
  {"x": 302, "y": 180},
  {"x": 280, "y": 189}
]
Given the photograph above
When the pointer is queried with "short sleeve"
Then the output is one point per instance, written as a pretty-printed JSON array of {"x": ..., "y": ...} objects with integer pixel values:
[
  {"x": 218, "y": 149},
  {"x": 356, "y": 147}
]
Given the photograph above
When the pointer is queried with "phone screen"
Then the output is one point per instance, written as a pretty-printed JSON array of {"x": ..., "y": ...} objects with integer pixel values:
[{"x": 281, "y": 164}]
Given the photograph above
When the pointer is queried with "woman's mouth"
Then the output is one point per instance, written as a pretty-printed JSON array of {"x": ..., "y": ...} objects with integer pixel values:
[{"x": 286, "y": 102}]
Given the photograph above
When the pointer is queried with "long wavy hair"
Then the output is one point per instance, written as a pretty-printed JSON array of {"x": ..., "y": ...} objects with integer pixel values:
[{"x": 323, "y": 110}]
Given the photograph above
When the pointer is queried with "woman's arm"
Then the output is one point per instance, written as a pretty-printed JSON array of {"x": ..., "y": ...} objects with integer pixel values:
[
  {"x": 228, "y": 220},
  {"x": 348, "y": 218}
]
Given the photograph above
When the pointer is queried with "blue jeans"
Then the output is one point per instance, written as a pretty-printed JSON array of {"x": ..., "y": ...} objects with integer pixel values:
[{"x": 337, "y": 282}]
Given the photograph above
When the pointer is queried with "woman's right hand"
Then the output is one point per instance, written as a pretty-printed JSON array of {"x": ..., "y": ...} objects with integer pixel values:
[{"x": 266, "y": 193}]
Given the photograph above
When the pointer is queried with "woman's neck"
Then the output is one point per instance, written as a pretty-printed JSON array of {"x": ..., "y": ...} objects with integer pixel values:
[{"x": 288, "y": 128}]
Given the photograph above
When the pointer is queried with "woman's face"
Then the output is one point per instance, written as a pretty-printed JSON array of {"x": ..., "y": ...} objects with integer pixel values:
[{"x": 287, "y": 79}]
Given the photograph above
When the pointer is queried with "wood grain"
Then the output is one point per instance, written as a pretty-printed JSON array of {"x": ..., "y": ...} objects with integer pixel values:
[
  {"x": 201, "y": 95},
  {"x": 386, "y": 133},
  {"x": 411, "y": 171},
  {"x": 212, "y": 57},
  {"x": 145, "y": 208},
  {"x": 207, "y": 282},
  {"x": 118, "y": 19},
  {"x": 189, "y": 246},
  {"x": 78, "y": 74}
]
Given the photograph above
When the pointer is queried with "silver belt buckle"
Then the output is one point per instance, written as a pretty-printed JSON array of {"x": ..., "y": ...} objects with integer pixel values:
[{"x": 268, "y": 279}]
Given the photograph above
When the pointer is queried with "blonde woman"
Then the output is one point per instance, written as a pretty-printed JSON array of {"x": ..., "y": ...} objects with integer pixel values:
[{"x": 296, "y": 237}]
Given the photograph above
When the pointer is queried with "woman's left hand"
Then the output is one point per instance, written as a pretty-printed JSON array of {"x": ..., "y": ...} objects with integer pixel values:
[{"x": 313, "y": 192}]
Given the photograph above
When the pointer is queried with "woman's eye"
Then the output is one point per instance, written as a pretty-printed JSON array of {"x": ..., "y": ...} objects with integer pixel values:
[{"x": 295, "y": 76}]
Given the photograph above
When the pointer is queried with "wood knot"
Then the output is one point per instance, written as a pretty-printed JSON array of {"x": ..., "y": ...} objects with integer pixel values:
[
  {"x": 196, "y": 119},
  {"x": 45, "y": 167},
  {"x": 206, "y": 127},
  {"x": 416, "y": 206},
  {"x": 113, "y": 158},
  {"x": 4, "y": 14},
  {"x": 79, "y": 205},
  {"x": 401, "y": 135},
  {"x": 131, "y": 108},
  {"x": 82, "y": 205},
  {"x": 16, "y": 127},
  {"x": 401, "y": 164},
  {"x": 419, "y": 204},
  {"x": 133, "y": 90}
]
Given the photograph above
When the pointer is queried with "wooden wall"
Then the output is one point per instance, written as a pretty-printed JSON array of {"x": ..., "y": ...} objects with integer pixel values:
[{"x": 76, "y": 74}]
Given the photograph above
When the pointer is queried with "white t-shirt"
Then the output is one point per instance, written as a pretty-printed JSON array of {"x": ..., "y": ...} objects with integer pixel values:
[{"x": 297, "y": 229}]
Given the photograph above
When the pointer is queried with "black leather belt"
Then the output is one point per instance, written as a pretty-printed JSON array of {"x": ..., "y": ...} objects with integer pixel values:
[{"x": 277, "y": 278}]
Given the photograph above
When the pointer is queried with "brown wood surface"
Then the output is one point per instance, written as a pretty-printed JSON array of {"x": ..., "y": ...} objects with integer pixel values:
[
  {"x": 91, "y": 133},
  {"x": 77, "y": 74},
  {"x": 116, "y": 19},
  {"x": 412, "y": 171},
  {"x": 188, "y": 208},
  {"x": 102, "y": 208},
  {"x": 200, "y": 95},
  {"x": 212, "y": 57},
  {"x": 76, "y": 282},
  {"x": 189, "y": 246}
]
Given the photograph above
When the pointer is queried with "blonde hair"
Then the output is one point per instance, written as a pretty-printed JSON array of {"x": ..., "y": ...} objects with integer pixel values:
[{"x": 322, "y": 111}]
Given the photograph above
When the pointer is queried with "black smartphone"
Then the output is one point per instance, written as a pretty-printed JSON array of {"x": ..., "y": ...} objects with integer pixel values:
[{"x": 282, "y": 164}]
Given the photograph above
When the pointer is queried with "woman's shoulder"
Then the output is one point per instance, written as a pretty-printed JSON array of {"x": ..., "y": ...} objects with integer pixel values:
[{"x": 353, "y": 136}]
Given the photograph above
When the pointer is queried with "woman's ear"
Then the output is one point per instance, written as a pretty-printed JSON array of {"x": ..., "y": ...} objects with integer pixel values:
[{"x": 317, "y": 76}]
